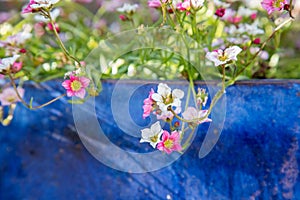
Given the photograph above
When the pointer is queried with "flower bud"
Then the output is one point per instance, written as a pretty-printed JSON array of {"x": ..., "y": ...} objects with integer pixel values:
[{"x": 220, "y": 12}]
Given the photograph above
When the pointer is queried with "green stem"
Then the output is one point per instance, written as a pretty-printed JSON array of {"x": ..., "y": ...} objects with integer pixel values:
[
  {"x": 61, "y": 44},
  {"x": 24, "y": 102}
]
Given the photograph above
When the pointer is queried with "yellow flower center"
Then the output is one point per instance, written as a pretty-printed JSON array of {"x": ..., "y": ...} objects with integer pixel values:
[
  {"x": 277, "y": 3},
  {"x": 154, "y": 138},
  {"x": 76, "y": 85},
  {"x": 222, "y": 58},
  {"x": 168, "y": 100},
  {"x": 11, "y": 99},
  {"x": 168, "y": 144}
]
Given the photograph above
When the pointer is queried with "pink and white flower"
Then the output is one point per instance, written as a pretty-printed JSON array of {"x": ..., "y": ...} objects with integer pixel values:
[
  {"x": 152, "y": 134},
  {"x": 184, "y": 6},
  {"x": 192, "y": 113},
  {"x": 75, "y": 86},
  {"x": 273, "y": 5},
  {"x": 13, "y": 43},
  {"x": 165, "y": 97},
  {"x": 170, "y": 142},
  {"x": 6, "y": 63},
  {"x": 37, "y": 5},
  {"x": 221, "y": 57},
  {"x": 9, "y": 96}
]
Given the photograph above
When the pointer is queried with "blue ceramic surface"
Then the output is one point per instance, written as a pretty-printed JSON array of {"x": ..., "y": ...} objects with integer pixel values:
[{"x": 256, "y": 157}]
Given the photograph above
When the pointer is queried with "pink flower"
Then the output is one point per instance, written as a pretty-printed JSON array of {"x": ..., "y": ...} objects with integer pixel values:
[
  {"x": 169, "y": 142},
  {"x": 184, "y": 6},
  {"x": 154, "y": 3},
  {"x": 50, "y": 27},
  {"x": 39, "y": 29},
  {"x": 16, "y": 67},
  {"x": 235, "y": 19},
  {"x": 253, "y": 16},
  {"x": 28, "y": 8},
  {"x": 9, "y": 96},
  {"x": 123, "y": 17},
  {"x": 76, "y": 86},
  {"x": 220, "y": 12},
  {"x": 23, "y": 50},
  {"x": 256, "y": 41},
  {"x": 148, "y": 103},
  {"x": 273, "y": 5}
]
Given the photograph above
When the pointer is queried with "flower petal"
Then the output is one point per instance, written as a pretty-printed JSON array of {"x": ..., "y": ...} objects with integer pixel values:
[
  {"x": 178, "y": 93},
  {"x": 156, "y": 128},
  {"x": 80, "y": 93},
  {"x": 156, "y": 97},
  {"x": 84, "y": 81}
]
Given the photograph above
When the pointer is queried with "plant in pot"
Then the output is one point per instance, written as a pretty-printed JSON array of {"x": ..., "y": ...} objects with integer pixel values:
[{"x": 216, "y": 42}]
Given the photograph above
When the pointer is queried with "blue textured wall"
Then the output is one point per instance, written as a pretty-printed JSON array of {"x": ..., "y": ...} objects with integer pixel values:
[{"x": 256, "y": 157}]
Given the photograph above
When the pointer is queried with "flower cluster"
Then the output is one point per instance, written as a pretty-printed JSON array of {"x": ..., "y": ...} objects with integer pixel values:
[
  {"x": 43, "y": 43},
  {"x": 166, "y": 105},
  {"x": 159, "y": 102}
]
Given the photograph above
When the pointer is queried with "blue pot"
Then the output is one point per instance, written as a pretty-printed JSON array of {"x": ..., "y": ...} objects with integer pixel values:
[{"x": 255, "y": 157}]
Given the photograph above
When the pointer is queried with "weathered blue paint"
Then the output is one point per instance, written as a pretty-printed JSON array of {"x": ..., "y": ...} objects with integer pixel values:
[{"x": 256, "y": 157}]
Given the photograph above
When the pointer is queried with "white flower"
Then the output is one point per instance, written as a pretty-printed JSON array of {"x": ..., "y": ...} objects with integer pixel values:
[
  {"x": 54, "y": 14},
  {"x": 221, "y": 4},
  {"x": 152, "y": 134},
  {"x": 165, "y": 97},
  {"x": 192, "y": 113},
  {"x": 220, "y": 57},
  {"x": 196, "y": 4},
  {"x": 6, "y": 63},
  {"x": 43, "y": 4},
  {"x": 128, "y": 8}
]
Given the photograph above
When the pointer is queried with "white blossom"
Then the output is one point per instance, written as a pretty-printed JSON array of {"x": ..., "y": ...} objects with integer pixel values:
[
  {"x": 152, "y": 134},
  {"x": 6, "y": 63},
  {"x": 220, "y": 57},
  {"x": 128, "y": 8}
]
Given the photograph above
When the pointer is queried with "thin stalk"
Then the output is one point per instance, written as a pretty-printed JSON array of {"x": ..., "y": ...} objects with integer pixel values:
[
  {"x": 24, "y": 102},
  {"x": 61, "y": 44}
]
